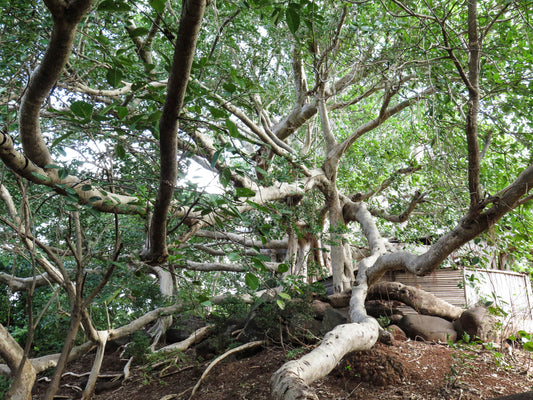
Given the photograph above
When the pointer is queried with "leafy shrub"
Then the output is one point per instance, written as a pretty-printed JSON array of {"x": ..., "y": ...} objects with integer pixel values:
[
  {"x": 5, "y": 384},
  {"x": 138, "y": 347}
]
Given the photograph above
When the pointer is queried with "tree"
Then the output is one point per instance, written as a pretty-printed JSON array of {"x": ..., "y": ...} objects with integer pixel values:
[{"x": 308, "y": 116}]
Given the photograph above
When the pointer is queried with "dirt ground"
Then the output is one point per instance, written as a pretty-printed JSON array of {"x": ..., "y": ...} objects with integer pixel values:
[{"x": 406, "y": 370}]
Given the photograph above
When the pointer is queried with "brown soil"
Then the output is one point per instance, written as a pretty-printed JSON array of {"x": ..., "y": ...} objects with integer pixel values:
[{"x": 407, "y": 370}]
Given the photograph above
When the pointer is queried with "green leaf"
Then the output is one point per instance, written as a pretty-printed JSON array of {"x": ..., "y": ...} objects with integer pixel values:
[
  {"x": 292, "y": 17},
  {"x": 281, "y": 304},
  {"x": 225, "y": 177},
  {"x": 261, "y": 257},
  {"x": 258, "y": 206},
  {"x": 120, "y": 152},
  {"x": 230, "y": 87},
  {"x": 528, "y": 346},
  {"x": 234, "y": 256},
  {"x": 113, "y": 5},
  {"x": 94, "y": 198},
  {"x": 232, "y": 128},
  {"x": 86, "y": 187},
  {"x": 122, "y": 112},
  {"x": 285, "y": 296},
  {"x": 62, "y": 173},
  {"x": 216, "y": 156},
  {"x": 244, "y": 192},
  {"x": 158, "y": 5},
  {"x": 141, "y": 31},
  {"x": 282, "y": 268},
  {"x": 114, "y": 77},
  {"x": 251, "y": 280},
  {"x": 82, "y": 109},
  {"x": 37, "y": 175}
]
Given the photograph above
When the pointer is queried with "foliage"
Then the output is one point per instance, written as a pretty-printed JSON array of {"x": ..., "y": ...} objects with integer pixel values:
[
  {"x": 261, "y": 184},
  {"x": 138, "y": 347}
]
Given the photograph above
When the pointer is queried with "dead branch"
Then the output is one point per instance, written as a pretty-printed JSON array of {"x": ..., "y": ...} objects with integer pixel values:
[{"x": 196, "y": 337}]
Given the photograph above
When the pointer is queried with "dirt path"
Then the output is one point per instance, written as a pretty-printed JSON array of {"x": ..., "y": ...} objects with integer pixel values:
[{"x": 407, "y": 370}]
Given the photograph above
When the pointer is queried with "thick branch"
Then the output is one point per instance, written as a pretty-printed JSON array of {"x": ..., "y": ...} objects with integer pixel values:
[
  {"x": 98, "y": 198},
  {"x": 17, "y": 284},
  {"x": 474, "y": 47},
  {"x": 66, "y": 18},
  {"x": 216, "y": 266},
  {"x": 503, "y": 202},
  {"x": 239, "y": 239},
  {"x": 423, "y": 302},
  {"x": 191, "y": 18}
]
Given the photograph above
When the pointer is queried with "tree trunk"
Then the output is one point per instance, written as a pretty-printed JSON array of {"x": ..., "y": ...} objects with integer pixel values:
[
  {"x": 13, "y": 354},
  {"x": 291, "y": 381}
]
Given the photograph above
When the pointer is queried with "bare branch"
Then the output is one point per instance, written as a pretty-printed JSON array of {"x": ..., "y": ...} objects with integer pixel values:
[
  {"x": 404, "y": 216},
  {"x": 216, "y": 266},
  {"x": 384, "y": 115}
]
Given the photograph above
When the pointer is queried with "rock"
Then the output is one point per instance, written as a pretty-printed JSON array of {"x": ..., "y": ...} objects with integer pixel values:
[
  {"x": 378, "y": 308},
  {"x": 395, "y": 319},
  {"x": 339, "y": 300},
  {"x": 319, "y": 308},
  {"x": 428, "y": 328},
  {"x": 332, "y": 318},
  {"x": 477, "y": 322},
  {"x": 397, "y": 333}
]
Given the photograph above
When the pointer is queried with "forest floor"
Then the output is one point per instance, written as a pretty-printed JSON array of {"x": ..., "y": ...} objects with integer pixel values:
[{"x": 406, "y": 370}]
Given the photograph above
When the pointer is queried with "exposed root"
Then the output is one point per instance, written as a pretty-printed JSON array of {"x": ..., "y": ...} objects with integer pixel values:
[
  {"x": 246, "y": 346},
  {"x": 196, "y": 337}
]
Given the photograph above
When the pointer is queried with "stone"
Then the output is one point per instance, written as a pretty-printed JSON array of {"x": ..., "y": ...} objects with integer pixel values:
[
  {"x": 319, "y": 308},
  {"x": 426, "y": 327},
  {"x": 477, "y": 322},
  {"x": 332, "y": 318},
  {"x": 397, "y": 332}
]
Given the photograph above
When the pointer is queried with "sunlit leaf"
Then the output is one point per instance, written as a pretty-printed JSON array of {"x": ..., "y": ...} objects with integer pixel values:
[
  {"x": 82, "y": 109},
  {"x": 114, "y": 77},
  {"x": 251, "y": 280},
  {"x": 292, "y": 17},
  {"x": 158, "y": 5}
]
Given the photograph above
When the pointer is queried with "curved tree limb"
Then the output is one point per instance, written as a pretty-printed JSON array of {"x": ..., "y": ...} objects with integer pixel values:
[
  {"x": 192, "y": 13},
  {"x": 423, "y": 302},
  {"x": 503, "y": 202},
  {"x": 98, "y": 198},
  {"x": 66, "y": 17},
  {"x": 404, "y": 216}
]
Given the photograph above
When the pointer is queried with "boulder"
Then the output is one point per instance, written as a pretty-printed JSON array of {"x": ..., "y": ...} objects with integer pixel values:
[
  {"x": 319, "y": 308},
  {"x": 332, "y": 318},
  {"x": 477, "y": 322},
  {"x": 428, "y": 328},
  {"x": 397, "y": 333}
]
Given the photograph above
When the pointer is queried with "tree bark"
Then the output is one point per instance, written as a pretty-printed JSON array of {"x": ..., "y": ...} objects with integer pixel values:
[
  {"x": 24, "y": 375},
  {"x": 191, "y": 18},
  {"x": 422, "y": 301},
  {"x": 291, "y": 381}
]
